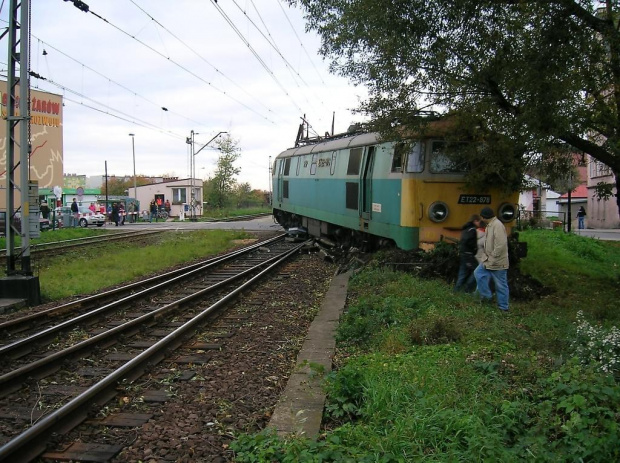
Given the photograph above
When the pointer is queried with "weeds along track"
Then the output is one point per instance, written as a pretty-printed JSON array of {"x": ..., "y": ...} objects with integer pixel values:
[
  {"x": 54, "y": 247},
  {"x": 57, "y": 369}
]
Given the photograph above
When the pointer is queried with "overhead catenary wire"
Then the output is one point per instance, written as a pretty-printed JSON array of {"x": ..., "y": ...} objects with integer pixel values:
[
  {"x": 271, "y": 41},
  {"x": 133, "y": 92},
  {"x": 127, "y": 117},
  {"x": 169, "y": 59},
  {"x": 255, "y": 53},
  {"x": 300, "y": 42},
  {"x": 202, "y": 58}
]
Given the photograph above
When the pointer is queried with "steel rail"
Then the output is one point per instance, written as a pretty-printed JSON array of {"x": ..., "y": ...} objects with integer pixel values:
[
  {"x": 113, "y": 292},
  {"x": 22, "y": 344},
  {"x": 94, "y": 239},
  {"x": 32, "y": 442}
]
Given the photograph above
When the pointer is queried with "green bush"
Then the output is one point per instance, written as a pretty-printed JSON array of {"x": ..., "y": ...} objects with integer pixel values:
[{"x": 576, "y": 418}]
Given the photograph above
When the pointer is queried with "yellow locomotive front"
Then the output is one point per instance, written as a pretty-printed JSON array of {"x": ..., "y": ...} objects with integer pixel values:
[{"x": 435, "y": 198}]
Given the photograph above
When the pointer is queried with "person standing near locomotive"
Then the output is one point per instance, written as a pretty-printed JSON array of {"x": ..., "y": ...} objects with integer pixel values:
[
  {"x": 468, "y": 247},
  {"x": 494, "y": 263}
]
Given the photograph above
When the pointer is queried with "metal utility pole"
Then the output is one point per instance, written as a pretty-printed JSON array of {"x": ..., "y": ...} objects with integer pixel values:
[
  {"x": 106, "y": 187},
  {"x": 270, "y": 180},
  {"x": 19, "y": 282},
  {"x": 192, "y": 200},
  {"x": 18, "y": 53},
  {"x": 133, "y": 149},
  {"x": 192, "y": 163}
]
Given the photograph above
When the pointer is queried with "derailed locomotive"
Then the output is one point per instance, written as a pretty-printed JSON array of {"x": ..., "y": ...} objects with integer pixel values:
[{"x": 362, "y": 191}]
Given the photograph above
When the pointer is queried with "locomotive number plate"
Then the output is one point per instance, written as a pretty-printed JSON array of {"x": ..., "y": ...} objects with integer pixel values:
[{"x": 475, "y": 199}]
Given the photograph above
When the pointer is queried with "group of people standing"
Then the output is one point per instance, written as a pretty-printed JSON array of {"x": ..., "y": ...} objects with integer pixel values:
[{"x": 483, "y": 250}]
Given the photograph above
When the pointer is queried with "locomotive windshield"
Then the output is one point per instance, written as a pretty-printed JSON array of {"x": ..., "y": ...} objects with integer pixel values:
[
  {"x": 442, "y": 163},
  {"x": 415, "y": 158}
]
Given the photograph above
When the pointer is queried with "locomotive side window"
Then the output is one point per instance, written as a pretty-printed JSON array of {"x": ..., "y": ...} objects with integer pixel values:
[
  {"x": 285, "y": 189},
  {"x": 441, "y": 162},
  {"x": 351, "y": 195},
  {"x": 287, "y": 166},
  {"x": 355, "y": 159},
  {"x": 273, "y": 170},
  {"x": 332, "y": 167},
  {"x": 415, "y": 159},
  {"x": 397, "y": 158},
  {"x": 313, "y": 165}
]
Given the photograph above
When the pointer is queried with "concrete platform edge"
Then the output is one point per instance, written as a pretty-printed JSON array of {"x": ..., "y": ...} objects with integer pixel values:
[{"x": 300, "y": 408}]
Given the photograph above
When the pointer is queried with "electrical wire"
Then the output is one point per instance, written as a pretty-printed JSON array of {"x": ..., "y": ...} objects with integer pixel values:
[
  {"x": 300, "y": 42},
  {"x": 167, "y": 58},
  {"x": 254, "y": 52},
  {"x": 116, "y": 83},
  {"x": 271, "y": 41},
  {"x": 127, "y": 117},
  {"x": 202, "y": 58}
]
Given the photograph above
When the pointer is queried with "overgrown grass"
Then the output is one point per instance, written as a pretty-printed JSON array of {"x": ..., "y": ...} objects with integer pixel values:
[
  {"x": 92, "y": 268},
  {"x": 429, "y": 375}
]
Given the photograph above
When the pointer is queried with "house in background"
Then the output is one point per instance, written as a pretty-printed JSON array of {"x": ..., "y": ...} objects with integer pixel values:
[
  {"x": 600, "y": 213},
  {"x": 538, "y": 196}
]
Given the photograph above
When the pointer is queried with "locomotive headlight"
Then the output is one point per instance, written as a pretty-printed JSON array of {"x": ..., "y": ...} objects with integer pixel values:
[
  {"x": 438, "y": 211},
  {"x": 507, "y": 212}
]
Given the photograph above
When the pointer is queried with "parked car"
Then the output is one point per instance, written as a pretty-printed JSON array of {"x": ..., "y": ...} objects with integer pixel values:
[
  {"x": 85, "y": 217},
  {"x": 44, "y": 224}
]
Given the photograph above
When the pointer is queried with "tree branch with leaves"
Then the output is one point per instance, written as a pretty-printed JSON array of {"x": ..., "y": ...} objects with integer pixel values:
[{"x": 532, "y": 73}]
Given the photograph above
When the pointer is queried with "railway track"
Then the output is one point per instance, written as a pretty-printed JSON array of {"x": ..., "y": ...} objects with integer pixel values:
[
  {"x": 75, "y": 361},
  {"x": 87, "y": 241},
  {"x": 238, "y": 218}
]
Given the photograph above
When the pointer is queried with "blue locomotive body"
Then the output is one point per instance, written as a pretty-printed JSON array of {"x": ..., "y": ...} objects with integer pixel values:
[{"x": 362, "y": 191}]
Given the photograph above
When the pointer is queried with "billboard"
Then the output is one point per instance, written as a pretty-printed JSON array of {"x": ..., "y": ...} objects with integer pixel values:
[{"x": 46, "y": 158}]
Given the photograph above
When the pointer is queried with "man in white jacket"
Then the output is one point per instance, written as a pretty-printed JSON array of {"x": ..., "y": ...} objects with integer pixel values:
[{"x": 494, "y": 263}]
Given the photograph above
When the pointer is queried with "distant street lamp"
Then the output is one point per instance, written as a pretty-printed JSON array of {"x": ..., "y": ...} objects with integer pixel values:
[{"x": 133, "y": 149}]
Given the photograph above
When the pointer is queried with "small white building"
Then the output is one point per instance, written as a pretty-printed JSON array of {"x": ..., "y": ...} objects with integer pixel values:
[
  {"x": 537, "y": 196},
  {"x": 182, "y": 194}
]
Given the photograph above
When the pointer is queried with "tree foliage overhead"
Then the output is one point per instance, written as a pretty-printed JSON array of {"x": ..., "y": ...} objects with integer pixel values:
[{"x": 536, "y": 73}]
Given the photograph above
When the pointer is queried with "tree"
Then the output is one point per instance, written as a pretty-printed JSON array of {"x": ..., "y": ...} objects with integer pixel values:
[
  {"x": 119, "y": 186},
  {"x": 221, "y": 185},
  {"x": 531, "y": 75}
]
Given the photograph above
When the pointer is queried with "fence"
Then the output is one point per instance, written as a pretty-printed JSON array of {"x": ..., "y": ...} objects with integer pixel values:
[{"x": 541, "y": 219}]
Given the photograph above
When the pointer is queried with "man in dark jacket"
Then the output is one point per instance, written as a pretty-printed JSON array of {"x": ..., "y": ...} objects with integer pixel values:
[
  {"x": 75, "y": 213},
  {"x": 468, "y": 246}
]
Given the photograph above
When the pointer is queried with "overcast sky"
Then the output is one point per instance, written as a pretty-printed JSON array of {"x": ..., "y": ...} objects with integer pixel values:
[{"x": 186, "y": 56}]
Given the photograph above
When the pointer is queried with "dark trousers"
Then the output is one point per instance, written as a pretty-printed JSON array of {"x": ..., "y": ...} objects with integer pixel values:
[{"x": 466, "y": 281}]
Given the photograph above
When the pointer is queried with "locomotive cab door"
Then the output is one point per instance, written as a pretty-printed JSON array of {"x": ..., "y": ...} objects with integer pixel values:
[
  {"x": 366, "y": 184},
  {"x": 279, "y": 179}
]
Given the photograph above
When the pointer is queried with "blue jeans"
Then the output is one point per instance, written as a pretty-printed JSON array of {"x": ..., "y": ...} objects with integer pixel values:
[
  {"x": 466, "y": 280},
  {"x": 500, "y": 278},
  {"x": 581, "y": 221}
]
